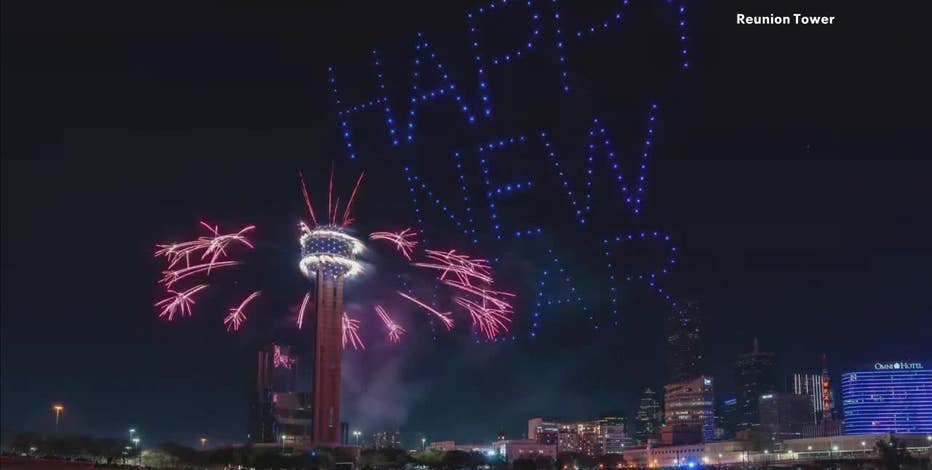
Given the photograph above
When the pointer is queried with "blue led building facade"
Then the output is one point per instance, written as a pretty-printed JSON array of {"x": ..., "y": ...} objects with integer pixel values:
[{"x": 888, "y": 397}]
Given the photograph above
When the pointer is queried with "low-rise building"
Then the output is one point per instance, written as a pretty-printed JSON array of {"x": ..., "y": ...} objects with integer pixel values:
[
  {"x": 510, "y": 450},
  {"x": 690, "y": 455}
]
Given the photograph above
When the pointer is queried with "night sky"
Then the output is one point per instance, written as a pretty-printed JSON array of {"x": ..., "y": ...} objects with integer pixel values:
[{"x": 792, "y": 168}]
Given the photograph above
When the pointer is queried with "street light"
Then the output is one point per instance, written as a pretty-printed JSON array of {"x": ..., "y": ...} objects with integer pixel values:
[
  {"x": 203, "y": 442},
  {"x": 357, "y": 433},
  {"x": 138, "y": 452},
  {"x": 423, "y": 443},
  {"x": 58, "y": 409}
]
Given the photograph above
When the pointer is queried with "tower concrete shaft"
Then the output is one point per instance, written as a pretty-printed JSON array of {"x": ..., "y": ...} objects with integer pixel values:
[{"x": 328, "y": 354}]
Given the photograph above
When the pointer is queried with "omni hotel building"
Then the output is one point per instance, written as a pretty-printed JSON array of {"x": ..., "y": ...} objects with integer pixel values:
[{"x": 893, "y": 397}]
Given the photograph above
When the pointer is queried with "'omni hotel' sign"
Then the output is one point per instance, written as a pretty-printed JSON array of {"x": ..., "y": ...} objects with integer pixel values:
[{"x": 897, "y": 365}]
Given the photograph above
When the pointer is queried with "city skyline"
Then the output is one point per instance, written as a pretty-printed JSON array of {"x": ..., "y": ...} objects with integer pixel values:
[{"x": 794, "y": 217}]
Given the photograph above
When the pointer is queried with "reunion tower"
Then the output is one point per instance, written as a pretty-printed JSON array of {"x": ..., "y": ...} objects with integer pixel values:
[{"x": 328, "y": 256}]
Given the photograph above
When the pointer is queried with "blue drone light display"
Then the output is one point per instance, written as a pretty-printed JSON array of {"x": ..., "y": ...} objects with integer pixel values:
[{"x": 556, "y": 43}]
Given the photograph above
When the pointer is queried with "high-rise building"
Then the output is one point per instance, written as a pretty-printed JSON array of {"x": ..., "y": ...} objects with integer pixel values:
[
  {"x": 784, "y": 415},
  {"x": 828, "y": 400},
  {"x": 649, "y": 416},
  {"x": 387, "y": 440},
  {"x": 612, "y": 434},
  {"x": 755, "y": 376},
  {"x": 894, "y": 397},
  {"x": 810, "y": 386},
  {"x": 684, "y": 348},
  {"x": 729, "y": 419},
  {"x": 276, "y": 373},
  {"x": 688, "y": 411}
]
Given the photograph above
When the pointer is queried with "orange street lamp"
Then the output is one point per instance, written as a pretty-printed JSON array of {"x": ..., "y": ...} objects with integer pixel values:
[{"x": 58, "y": 409}]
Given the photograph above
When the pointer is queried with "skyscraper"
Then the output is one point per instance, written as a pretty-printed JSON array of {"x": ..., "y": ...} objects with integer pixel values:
[
  {"x": 828, "y": 400},
  {"x": 648, "y": 417},
  {"x": 684, "y": 348},
  {"x": 784, "y": 415},
  {"x": 726, "y": 419},
  {"x": 612, "y": 434},
  {"x": 688, "y": 411},
  {"x": 893, "y": 397},
  {"x": 755, "y": 376},
  {"x": 276, "y": 374},
  {"x": 808, "y": 385}
]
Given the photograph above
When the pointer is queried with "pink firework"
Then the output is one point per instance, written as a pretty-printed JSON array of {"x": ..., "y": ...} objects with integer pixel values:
[
  {"x": 169, "y": 278},
  {"x": 307, "y": 297},
  {"x": 478, "y": 265},
  {"x": 213, "y": 247},
  {"x": 180, "y": 251},
  {"x": 333, "y": 206},
  {"x": 237, "y": 314},
  {"x": 404, "y": 240},
  {"x": 490, "y": 321},
  {"x": 463, "y": 273},
  {"x": 444, "y": 317},
  {"x": 490, "y": 310},
  {"x": 464, "y": 267},
  {"x": 351, "y": 333},
  {"x": 179, "y": 302},
  {"x": 280, "y": 359},
  {"x": 216, "y": 246},
  {"x": 307, "y": 199},
  {"x": 468, "y": 279},
  {"x": 394, "y": 330},
  {"x": 490, "y": 296},
  {"x": 349, "y": 205}
]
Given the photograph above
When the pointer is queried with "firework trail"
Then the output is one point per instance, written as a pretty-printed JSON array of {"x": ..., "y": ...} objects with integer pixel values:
[
  {"x": 349, "y": 205},
  {"x": 214, "y": 247},
  {"x": 444, "y": 317},
  {"x": 237, "y": 314},
  {"x": 394, "y": 330},
  {"x": 307, "y": 198},
  {"x": 217, "y": 245},
  {"x": 180, "y": 251},
  {"x": 404, "y": 240},
  {"x": 169, "y": 278},
  {"x": 179, "y": 302},
  {"x": 303, "y": 308},
  {"x": 491, "y": 296},
  {"x": 330, "y": 210},
  {"x": 464, "y": 267},
  {"x": 490, "y": 321},
  {"x": 351, "y": 333},
  {"x": 490, "y": 310}
]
